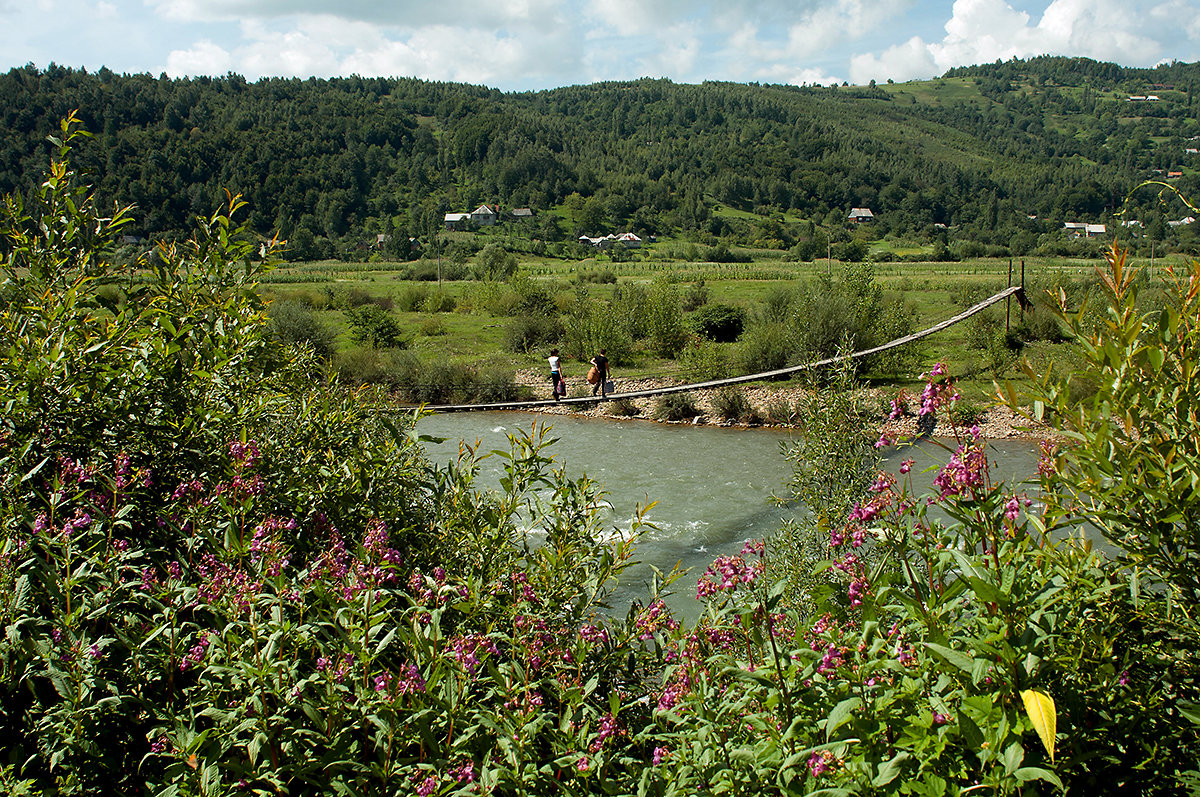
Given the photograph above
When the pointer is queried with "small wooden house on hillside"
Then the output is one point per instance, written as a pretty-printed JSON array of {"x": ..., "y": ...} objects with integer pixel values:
[{"x": 485, "y": 215}]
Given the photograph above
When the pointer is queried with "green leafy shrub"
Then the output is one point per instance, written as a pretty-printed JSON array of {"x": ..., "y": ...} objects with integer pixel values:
[
  {"x": 371, "y": 325},
  {"x": 719, "y": 322},
  {"x": 695, "y": 297},
  {"x": 703, "y": 360},
  {"x": 526, "y": 333},
  {"x": 665, "y": 329},
  {"x": 731, "y": 404},
  {"x": 413, "y": 298},
  {"x": 293, "y": 323},
  {"x": 433, "y": 327},
  {"x": 778, "y": 412},
  {"x": 495, "y": 263},
  {"x": 622, "y": 408},
  {"x": 601, "y": 276},
  {"x": 675, "y": 407}
]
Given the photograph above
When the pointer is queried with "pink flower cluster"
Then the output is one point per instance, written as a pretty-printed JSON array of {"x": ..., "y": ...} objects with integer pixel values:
[
  {"x": 727, "y": 573},
  {"x": 267, "y": 546},
  {"x": 938, "y": 392},
  {"x": 338, "y": 667},
  {"x": 224, "y": 581},
  {"x": 196, "y": 654},
  {"x": 411, "y": 682},
  {"x": 608, "y": 729},
  {"x": 245, "y": 455},
  {"x": 593, "y": 634},
  {"x": 466, "y": 650},
  {"x": 654, "y": 618},
  {"x": 1047, "y": 459},
  {"x": 821, "y": 762},
  {"x": 463, "y": 773},
  {"x": 965, "y": 472}
]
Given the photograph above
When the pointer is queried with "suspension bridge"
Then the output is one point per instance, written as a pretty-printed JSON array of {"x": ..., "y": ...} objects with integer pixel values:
[{"x": 1014, "y": 290}]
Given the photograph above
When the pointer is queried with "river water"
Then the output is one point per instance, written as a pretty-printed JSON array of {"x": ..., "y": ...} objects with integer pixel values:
[{"x": 714, "y": 486}]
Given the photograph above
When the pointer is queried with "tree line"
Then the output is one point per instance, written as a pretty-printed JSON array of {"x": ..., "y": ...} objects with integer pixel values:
[{"x": 998, "y": 155}]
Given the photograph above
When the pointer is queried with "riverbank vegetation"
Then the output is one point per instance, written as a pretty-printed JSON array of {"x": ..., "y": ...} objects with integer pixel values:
[{"x": 218, "y": 576}]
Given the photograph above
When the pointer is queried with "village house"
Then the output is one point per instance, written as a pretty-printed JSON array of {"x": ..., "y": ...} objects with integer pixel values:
[
  {"x": 860, "y": 215},
  {"x": 456, "y": 221},
  {"x": 627, "y": 239},
  {"x": 521, "y": 213},
  {"x": 1077, "y": 229},
  {"x": 486, "y": 215}
]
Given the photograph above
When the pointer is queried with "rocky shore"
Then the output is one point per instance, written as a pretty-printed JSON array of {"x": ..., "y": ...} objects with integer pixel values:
[{"x": 996, "y": 423}]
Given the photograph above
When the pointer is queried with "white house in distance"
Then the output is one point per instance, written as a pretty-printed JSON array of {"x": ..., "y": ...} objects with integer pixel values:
[
  {"x": 456, "y": 221},
  {"x": 627, "y": 239},
  {"x": 1077, "y": 229},
  {"x": 485, "y": 215},
  {"x": 860, "y": 215}
]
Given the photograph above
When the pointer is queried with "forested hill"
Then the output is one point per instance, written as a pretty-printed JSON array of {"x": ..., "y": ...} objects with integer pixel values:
[{"x": 981, "y": 149}]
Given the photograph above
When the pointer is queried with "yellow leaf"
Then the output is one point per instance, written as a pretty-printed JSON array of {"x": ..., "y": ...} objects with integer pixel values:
[{"x": 1040, "y": 708}]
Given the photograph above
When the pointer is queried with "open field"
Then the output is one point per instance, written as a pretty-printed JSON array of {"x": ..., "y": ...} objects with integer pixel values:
[{"x": 473, "y": 333}]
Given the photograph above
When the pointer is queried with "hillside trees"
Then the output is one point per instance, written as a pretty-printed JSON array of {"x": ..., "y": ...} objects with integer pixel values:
[{"x": 346, "y": 157}]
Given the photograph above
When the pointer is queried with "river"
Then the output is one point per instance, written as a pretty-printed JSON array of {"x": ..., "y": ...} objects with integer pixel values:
[{"x": 714, "y": 486}]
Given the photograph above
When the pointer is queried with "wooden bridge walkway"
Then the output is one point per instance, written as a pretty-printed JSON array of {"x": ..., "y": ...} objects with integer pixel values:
[{"x": 1014, "y": 290}]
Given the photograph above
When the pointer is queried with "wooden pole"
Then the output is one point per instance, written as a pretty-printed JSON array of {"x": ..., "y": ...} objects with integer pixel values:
[
  {"x": 1022, "y": 290},
  {"x": 1008, "y": 302}
]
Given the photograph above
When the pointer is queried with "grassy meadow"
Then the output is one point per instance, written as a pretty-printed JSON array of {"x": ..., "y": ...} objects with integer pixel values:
[{"x": 464, "y": 322}]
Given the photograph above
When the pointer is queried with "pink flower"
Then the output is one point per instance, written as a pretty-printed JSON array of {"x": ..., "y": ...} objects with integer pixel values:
[
  {"x": 906, "y": 466},
  {"x": 582, "y": 764},
  {"x": 820, "y": 762},
  {"x": 463, "y": 773},
  {"x": 660, "y": 754}
]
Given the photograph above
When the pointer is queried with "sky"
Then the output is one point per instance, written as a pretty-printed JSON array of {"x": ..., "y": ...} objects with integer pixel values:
[{"x": 520, "y": 45}]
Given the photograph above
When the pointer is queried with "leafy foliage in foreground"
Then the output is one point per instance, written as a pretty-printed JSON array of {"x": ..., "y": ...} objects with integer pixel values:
[{"x": 216, "y": 579}]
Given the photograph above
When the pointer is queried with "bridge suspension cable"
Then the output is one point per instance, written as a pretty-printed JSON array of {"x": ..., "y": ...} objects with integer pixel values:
[{"x": 1015, "y": 290}]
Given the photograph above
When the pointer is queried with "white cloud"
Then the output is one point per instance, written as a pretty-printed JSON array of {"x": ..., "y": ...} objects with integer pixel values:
[
  {"x": 981, "y": 31},
  {"x": 472, "y": 13},
  {"x": 202, "y": 58},
  {"x": 834, "y": 23},
  {"x": 907, "y": 61}
]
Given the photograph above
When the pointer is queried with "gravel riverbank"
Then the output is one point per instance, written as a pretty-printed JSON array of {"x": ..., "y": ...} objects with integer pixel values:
[{"x": 997, "y": 422}]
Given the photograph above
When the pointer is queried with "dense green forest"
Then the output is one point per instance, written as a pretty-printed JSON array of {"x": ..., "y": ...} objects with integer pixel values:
[{"x": 999, "y": 155}]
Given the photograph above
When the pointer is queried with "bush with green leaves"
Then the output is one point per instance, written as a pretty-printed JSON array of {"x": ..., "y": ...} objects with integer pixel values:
[
  {"x": 676, "y": 407},
  {"x": 293, "y": 323},
  {"x": 622, "y": 408},
  {"x": 665, "y": 331},
  {"x": 722, "y": 323},
  {"x": 494, "y": 263},
  {"x": 594, "y": 325},
  {"x": 527, "y": 333},
  {"x": 730, "y": 404},
  {"x": 702, "y": 360},
  {"x": 375, "y": 327}
]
